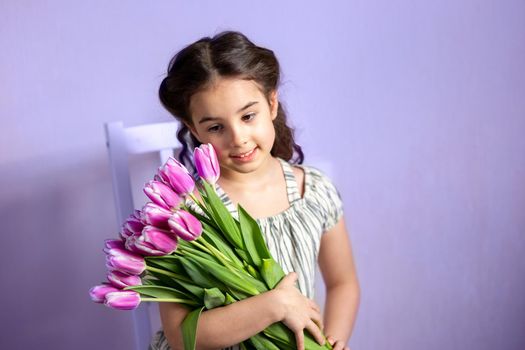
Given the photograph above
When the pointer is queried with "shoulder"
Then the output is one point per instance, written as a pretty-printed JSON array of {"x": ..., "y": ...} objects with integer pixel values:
[
  {"x": 314, "y": 179},
  {"x": 298, "y": 172},
  {"x": 321, "y": 192}
]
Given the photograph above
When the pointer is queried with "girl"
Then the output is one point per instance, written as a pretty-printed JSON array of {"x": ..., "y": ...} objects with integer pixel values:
[{"x": 223, "y": 90}]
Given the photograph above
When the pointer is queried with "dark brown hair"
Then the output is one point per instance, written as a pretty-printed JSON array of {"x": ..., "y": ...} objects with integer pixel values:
[{"x": 227, "y": 54}]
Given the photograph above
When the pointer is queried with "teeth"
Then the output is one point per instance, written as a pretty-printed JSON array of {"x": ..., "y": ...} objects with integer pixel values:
[{"x": 246, "y": 154}]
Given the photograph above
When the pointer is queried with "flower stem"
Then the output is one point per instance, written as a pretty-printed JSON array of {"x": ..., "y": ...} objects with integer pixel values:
[
  {"x": 168, "y": 273},
  {"x": 170, "y": 300}
]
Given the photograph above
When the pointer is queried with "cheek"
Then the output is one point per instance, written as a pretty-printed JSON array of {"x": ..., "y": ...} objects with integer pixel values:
[
  {"x": 219, "y": 149},
  {"x": 271, "y": 134}
]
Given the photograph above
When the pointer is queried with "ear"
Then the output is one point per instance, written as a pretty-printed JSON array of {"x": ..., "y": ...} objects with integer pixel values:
[{"x": 274, "y": 104}]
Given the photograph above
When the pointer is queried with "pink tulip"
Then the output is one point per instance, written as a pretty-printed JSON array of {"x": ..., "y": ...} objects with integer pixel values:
[
  {"x": 175, "y": 173},
  {"x": 113, "y": 243},
  {"x": 161, "y": 194},
  {"x": 122, "y": 280},
  {"x": 185, "y": 225},
  {"x": 98, "y": 293},
  {"x": 153, "y": 214},
  {"x": 123, "y": 300},
  {"x": 132, "y": 247},
  {"x": 124, "y": 232},
  {"x": 159, "y": 239},
  {"x": 125, "y": 261},
  {"x": 134, "y": 223},
  {"x": 146, "y": 248},
  {"x": 207, "y": 163}
]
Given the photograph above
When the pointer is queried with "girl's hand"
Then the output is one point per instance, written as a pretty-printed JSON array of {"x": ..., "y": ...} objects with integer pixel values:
[
  {"x": 337, "y": 344},
  {"x": 297, "y": 311}
]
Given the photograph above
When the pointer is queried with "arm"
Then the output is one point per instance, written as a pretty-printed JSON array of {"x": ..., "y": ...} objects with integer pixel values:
[
  {"x": 231, "y": 324},
  {"x": 222, "y": 326},
  {"x": 336, "y": 264}
]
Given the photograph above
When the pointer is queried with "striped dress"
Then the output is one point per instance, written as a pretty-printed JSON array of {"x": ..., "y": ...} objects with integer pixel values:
[{"x": 294, "y": 235}]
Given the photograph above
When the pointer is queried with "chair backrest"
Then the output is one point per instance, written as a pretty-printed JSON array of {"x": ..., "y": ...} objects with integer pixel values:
[{"x": 121, "y": 143}]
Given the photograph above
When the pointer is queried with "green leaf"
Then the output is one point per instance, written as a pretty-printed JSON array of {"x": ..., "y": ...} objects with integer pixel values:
[
  {"x": 222, "y": 216},
  {"x": 197, "y": 274},
  {"x": 263, "y": 343},
  {"x": 253, "y": 238},
  {"x": 216, "y": 239},
  {"x": 189, "y": 328},
  {"x": 197, "y": 291},
  {"x": 213, "y": 297},
  {"x": 243, "y": 254},
  {"x": 167, "y": 262},
  {"x": 223, "y": 274},
  {"x": 229, "y": 299},
  {"x": 157, "y": 291},
  {"x": 271, "y": 272},
  {"x": 192, "y": 250},
  {"x": 253, "y": 272},
  {"x": 161, "y": 293}
]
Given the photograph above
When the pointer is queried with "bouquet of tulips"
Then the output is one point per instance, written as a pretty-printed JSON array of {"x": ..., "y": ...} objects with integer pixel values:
[{"x": 196, "y": 255}]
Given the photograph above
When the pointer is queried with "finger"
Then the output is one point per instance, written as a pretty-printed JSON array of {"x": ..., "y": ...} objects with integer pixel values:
[
  {"x": 314, "y": 305},
  {"x": 330, "y": 340},
  {"x": 315, "y": 332},
  {"x": 317, "y": 318},
  {"x": 338, "y": 346},
  {"x": 299, "y": 339},
  {"x": 290, "y": 278}
]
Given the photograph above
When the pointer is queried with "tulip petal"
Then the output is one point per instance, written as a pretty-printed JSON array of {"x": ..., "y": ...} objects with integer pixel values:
[
  {"x": 162, "y": 195},
  {"x": 179, "y": 178},
  {"x": 207, "y": 163},
  {"x": 98, "y": 293},
  {"x": 122, "y": 280},
  {"x": 159, "y": 239},
  {"x": 125, "y": 261},
  {"x": 113, "y": 243},
  {"x": 185, "y": 225},
  {"x": 155, "y": 215},
  {"x": 122, "y": 300}
]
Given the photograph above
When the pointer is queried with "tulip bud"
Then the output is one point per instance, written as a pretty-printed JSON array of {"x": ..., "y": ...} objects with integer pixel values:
[
  {"x": 175, "y": 173},
  {"x": 156, "y": 177},
  {"x": 123, "y": 300},
  {"x": 185, "y": 225},
  {"x": 153, "y": 214},
  {"x": 122, "y": 280},
  {"x": 98, "y": 293},
  {"x": 132, "y": 247},
  {"x": 207, "y": 163},
  {"x": 125, "y": 261},
  {"x": 124, "y": 232},
  {"x": 133, "y": 223},
  {"x": 158, "y": 239},
  {"x": 113, "y": 243},
  {"x": 161, "y": 194}
]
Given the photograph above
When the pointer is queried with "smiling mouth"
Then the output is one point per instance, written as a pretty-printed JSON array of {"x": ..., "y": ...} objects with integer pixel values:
[{"x": 243, "y": 155}]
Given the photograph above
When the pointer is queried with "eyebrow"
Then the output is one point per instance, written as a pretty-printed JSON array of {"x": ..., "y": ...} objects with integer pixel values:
[{"x": 248, "y": 105}]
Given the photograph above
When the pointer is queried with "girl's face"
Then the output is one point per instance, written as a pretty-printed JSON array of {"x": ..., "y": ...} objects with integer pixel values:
[{"x": 236, "y": 118}]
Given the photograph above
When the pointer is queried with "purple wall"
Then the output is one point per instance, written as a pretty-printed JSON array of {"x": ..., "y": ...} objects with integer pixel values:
[{"x": 418, "y": 108}]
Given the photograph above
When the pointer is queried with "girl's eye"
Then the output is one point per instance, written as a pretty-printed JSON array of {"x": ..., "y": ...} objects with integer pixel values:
[
  {"x": 215, "y": 128},
  {"x": 248, "y": 117}
]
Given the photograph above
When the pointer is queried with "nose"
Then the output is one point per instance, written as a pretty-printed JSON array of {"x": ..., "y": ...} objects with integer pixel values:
[{"x": 239, "y": 136}]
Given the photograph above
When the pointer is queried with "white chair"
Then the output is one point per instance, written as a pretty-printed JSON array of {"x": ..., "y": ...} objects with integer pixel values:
[{"x": 123, "y": 142}]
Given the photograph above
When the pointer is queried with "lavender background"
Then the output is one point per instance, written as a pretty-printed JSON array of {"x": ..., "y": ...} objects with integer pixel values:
[{"x": 417, "y": 109}]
